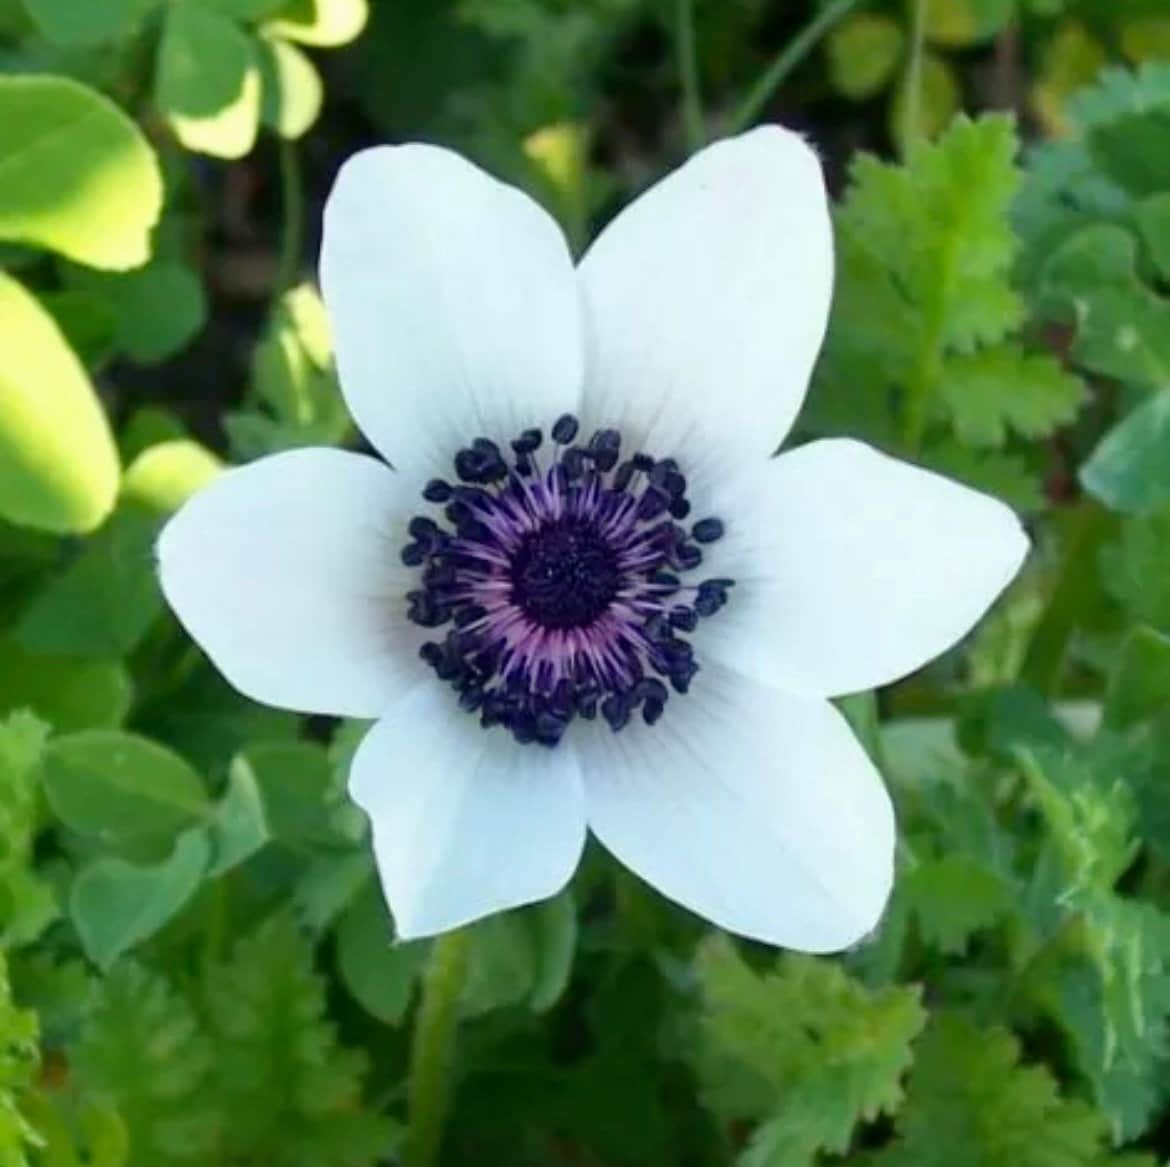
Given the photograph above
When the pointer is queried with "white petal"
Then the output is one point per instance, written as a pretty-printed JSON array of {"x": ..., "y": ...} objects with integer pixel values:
[
  {"x": 707, "y": 299},
  {"x": 454, "y": 305},
  {"x": 286, "y": 572},
  {"x": 466, "y": 822},
  {"x": 757, "y": 810},
  {"x": 852, "y": 568}
]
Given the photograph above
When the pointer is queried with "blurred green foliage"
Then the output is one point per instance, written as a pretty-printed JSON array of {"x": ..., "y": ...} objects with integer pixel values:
[{"x": 196, "y": 966}]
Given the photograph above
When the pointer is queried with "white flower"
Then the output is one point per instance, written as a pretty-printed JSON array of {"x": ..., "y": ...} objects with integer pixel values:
[{"x": 688, "y": 332}]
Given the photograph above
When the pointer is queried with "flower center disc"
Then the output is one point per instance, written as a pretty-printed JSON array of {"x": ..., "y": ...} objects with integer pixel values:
[
  {"x": 565, "y": 575},
  {"x": 559, "y": 582}
]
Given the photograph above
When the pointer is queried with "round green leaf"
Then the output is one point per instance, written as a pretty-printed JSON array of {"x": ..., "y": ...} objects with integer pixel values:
[
  {"x": 208, "y": 82},
  {"x": 91, "y": 22},
  {"x": 116, "y": 905},
  {"x": 863, "y": 53},
  {"x": 380, "y": 973},
  {"x": 164, "y": 476},
  {"x": 69, "y": 692},
  {"x": 292, "y": 88},
  {"x": 58, "y": 462},
  {"x": 1130, "y": 470},
  {"x": 324, "y": 23},
  {"x": 76, "y": 174},
  {"x": 117, "y": 786}
]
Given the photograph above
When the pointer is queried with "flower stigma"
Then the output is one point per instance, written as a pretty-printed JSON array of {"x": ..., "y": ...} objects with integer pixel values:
[{"x": 562, "y": 586}]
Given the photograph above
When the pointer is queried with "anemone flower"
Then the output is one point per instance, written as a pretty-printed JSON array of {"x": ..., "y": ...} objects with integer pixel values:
[{"x": 581, "y": 592}]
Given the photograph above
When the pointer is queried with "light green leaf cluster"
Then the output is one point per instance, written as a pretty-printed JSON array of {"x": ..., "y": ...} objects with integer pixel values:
[
  {"x": 926, "y": 252},
  {"x": 802, "y": 1048}
]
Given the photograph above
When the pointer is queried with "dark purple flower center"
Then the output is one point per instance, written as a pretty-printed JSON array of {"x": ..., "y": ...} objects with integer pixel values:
[{"x": 561, "y": 586}]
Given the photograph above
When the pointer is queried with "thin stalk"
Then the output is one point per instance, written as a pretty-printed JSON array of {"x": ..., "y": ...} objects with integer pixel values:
[
  {"x": 786, "y": 60},
  {"x": 292, "y": 233},
  {"x": 694, "y": 122},
  {"x": 912, "y": 111},
  {"x": 432, "y": 1051}
]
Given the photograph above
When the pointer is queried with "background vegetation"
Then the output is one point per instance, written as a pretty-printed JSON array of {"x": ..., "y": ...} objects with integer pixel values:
[{"x": 198, "y": 964}]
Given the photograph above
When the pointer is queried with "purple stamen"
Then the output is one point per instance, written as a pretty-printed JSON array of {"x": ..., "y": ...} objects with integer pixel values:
[{"x": 561, "y": 587}]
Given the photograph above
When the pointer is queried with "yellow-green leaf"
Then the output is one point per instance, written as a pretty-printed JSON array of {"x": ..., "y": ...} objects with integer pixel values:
[
  {"x": 58, "y": 462},
  {"x": 324, "y": 23},
  {"x": 208, "y": 81},
  {"x": 76, "y": 174}
]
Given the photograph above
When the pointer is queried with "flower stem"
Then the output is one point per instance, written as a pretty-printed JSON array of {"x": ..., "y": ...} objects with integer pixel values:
[
  {"x": 789, "y": 57},
  {"x": 293, "y": 214},
  {"x": 688, "y": 70},
  {"x": 432, "y": 1051},
  {"x": 912, "y": 110}
]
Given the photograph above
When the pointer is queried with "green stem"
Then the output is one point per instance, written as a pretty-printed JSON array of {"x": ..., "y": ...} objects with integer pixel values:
[
  {"x": 432, "y": 1051},
  {"x": 688, "y": 71},
  {"x": 912, "y": 114},
  {"x": 292, "y": 227},
  {"x": 1071, "y": 597},
  {"x": 789, "y": 57}
]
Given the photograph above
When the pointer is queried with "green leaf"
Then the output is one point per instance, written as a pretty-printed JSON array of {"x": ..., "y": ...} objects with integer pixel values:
[
  {"x": 208, "y": 81},
  {"x": 863, "y": 54},
  {"x": 954, "y": 897},
  {"x": 164, "y": 476},
  {"x": 116, "y": 905},
  {"x": 1153, "y": 223},
  {"x": 19, "y": 1059},
  {"x": 329, "y": 886},
  {"x": 246, "y": 10},
  {"x": 1135, "y": 569},
  {"x": 304, "y": 801},
  {"x": 292, "y": 1094},
  {"x": 379, "y": 971},
  {"x": 27, "y": 903},
  {"x": 67, "y": 23},
  {"x": 157, "y": 309},
  {"x": 321, "y": 23},
  {"x": 58, "y": 463},
  {"x": 1129, "y": 470},
  {"x": 292, "y": 89},
  {"x": 76, "y": 174},
  {"x": 1139, "y": 682},
  {"x": 238, "y": 828},
  {"x": 939, "y": 99},
  {"x": 106, "y": 600},
  {"x": 1122, "y": 327},
  {"x": 803, "y": 1046},
  {"x": 70, "y": 693},
  {"x": 142, "y": 1049},
  {"x": 971, "y": 1104},
  {"x": 116, "y": 787},
  {"x": 1134, "y": 151},
  {"x": 1002, "y": 389}
]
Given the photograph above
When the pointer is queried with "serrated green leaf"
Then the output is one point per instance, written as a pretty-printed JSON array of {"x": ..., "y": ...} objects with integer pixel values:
[
  {"x": 954, "y": 897},
  {"x": 803, "y": 1043},
  {"x": 208, "y": 81},
  {"x": 1002, "y": 389},
  {"x": 116, "y": 787},
  {"x": 18, "y": 1066},
  {"x": 142, "y": 1048},
  {"x": 76, "y": 174},
  {"x": 291, "y": 1092},
  {"x": 379, "y": 971},
  {"x": 292, "y": 89},
  {"x": 116, "y": 905},
  {"x": 58, "y": 463},
  {"x": 971, "y": 1104}
]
